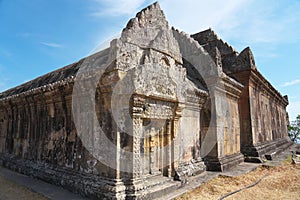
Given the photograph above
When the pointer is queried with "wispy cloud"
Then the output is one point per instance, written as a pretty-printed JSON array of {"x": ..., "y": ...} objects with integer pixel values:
[
  {"x": 115, "y": 8},
  {"x": 53, "y": 45},
  {"x": 25, "y": 35},
  {"x": 271, "y": 23},
  {"x": 290, "y": 83},
  {"x": 247, "y": 21},
  {"x": 198, "y": 15}
]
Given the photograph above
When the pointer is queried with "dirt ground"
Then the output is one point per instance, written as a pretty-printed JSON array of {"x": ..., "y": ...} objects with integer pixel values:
[
  {"x": 281, "y": 182},
  {"x": 16, "y": 192}
]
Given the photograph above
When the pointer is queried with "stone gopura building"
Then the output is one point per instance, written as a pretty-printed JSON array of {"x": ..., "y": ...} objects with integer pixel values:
[{"x": 137, "y": 119}]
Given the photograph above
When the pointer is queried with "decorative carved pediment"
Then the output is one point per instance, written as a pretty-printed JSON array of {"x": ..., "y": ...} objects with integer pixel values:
[{"x": 245, "y": 60}]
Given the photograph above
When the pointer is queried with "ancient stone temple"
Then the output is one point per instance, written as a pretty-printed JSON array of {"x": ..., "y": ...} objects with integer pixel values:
[
  {"x": 262, "y": 108},
  {"x": 137, "y": 119}
]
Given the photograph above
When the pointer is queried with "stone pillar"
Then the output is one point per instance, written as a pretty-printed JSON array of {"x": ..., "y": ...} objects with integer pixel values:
[
  {"x": 169, "y": 148},
  {"x": 137, "y": 132},
  {"x": 176, "y": 143}
]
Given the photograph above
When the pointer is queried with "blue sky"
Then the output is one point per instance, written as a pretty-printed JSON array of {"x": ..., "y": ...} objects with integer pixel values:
[{"x": 38, "y": 36}]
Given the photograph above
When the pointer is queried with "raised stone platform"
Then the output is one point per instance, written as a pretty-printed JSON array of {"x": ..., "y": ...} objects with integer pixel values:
[
  {"x": 258, "y": 153},
  {"x": 90, "y": 185},
  {"x": 192, "y": 182},
  {"x": 223, "y": 163}
]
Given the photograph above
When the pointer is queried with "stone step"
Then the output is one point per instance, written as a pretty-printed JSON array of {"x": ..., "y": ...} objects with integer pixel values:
[
  {"x": 153, "y": 181},
  {"x": 159, "y": 190},
  {"x": 270, "y": 155},
  {"x": 153, "y": 187}
]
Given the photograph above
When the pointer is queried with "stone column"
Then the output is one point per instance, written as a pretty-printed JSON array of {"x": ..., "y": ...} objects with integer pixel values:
[
  {"x": 176, "y": 143},
  {"x": 169, "y": 147},
  {"x": 137, "y": 132},
  {"x": 161, "y": 146}
]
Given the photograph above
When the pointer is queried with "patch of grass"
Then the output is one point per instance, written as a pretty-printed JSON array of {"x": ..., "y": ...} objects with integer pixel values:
[
  {"x": 288, "y": 159},
  {"x": 283, "y": 182}
]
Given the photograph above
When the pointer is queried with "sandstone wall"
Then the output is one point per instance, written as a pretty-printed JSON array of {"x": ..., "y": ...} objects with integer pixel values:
[
  {"x": 40, "y": 128},
  {"x": 268, "y": 115},
  {"x": 189, "y": 131},
  {"x": 232, "y": 128},
  {"x": 262, "y": 114}
]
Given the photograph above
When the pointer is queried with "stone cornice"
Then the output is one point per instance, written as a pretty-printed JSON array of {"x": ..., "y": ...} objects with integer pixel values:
[
  {"x": 226, "y": 85},
  {"x": 39, "y": 90},
  {"x": 232, "y": 87}
]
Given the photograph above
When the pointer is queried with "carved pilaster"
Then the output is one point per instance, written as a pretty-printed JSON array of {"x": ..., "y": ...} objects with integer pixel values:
[
  {"x": 137, "y": 131},
  {"x": 169, "y": 147},
  {"x": 176, "y": 143}
]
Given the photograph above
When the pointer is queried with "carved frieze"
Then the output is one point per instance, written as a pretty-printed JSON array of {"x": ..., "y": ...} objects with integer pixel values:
[{"x": 153, "y": 108}]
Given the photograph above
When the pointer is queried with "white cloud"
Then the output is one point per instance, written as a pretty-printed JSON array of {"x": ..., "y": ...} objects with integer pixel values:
[
  {"x": 53, "y": 45},
  {"x": 290, "y": 83},
  {"x": 259, "y": 24},
  {"x": 116, "y": 7},
  {"x": 193, "y": 16},
  {"x": 265, "y": 22},
  {"x": 245, "y": 21},
  {"x": 293, "y": 110}
]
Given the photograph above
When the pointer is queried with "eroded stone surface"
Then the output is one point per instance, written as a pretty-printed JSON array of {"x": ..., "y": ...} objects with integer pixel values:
[{"x": 171, "y": 106}]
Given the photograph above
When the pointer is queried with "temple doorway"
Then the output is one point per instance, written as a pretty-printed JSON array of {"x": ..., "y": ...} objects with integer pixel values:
[{"x": 155, "y": 146}]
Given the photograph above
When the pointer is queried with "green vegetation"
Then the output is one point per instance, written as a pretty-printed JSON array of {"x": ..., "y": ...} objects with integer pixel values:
[{"x": 294, "y": 130}]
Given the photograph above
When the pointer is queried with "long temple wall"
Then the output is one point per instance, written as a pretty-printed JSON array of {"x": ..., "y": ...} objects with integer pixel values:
[
  {"x": 39, "y": 138},
  {"x": 40, "y": 128},
  {"x": 268, "y": 115},
  {"x": 263, "y": 115},
  {"x": 261, "y": 106}
]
